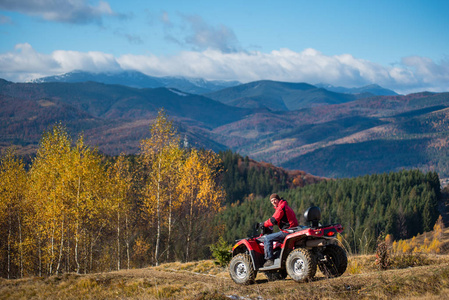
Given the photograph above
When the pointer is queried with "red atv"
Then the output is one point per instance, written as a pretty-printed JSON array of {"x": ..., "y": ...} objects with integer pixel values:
[{"x": 305, "y": 248}]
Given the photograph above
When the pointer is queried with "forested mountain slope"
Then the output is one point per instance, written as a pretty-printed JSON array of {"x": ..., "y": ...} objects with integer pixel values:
[
  {"x": 366, "y": 136},
  {"x": 402, "y": 204},
  {"x": 112, "y": 117},
  {"x": 278, "y": 96},
  {"x": 244, "y": 177}
]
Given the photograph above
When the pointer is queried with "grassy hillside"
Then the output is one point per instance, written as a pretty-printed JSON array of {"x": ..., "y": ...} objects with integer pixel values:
[{"x": 204, "y": 280}]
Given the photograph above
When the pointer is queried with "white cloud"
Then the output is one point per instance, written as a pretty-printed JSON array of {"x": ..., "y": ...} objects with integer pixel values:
[
  {"x": 426, "y": 69},
  {"x": 24, "y": 63},
  {"x": 91, "y": 61},
  {"x": 311, "y": 66},
  {"x": 66, "y": 11},
  {"x": 414, "y": 74},
  {"x": 193, "y": 31},
  {"x": 204, "y": 35}
]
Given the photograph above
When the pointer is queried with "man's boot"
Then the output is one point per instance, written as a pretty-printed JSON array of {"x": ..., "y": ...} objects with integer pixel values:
[{"x": 268, "y": 263}]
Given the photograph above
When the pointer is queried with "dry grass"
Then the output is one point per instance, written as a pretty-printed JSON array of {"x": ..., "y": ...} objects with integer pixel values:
[
  {"x": 204, "y": 280},
  {"x": 444, "y": 239}
]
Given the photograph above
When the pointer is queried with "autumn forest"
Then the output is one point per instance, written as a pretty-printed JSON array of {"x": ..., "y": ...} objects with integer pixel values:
[{"x": 73, "y": 210}]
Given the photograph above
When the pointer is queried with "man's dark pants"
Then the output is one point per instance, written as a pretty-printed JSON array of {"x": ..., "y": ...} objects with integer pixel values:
[{"x": 268, "y": 242}]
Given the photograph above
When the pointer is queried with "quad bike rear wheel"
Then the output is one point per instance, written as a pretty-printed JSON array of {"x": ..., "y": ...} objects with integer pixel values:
[
  {"x": 335, "y": 261},
  {"x": 241, "y": 269},
  {"x": 301, "y": 265}
]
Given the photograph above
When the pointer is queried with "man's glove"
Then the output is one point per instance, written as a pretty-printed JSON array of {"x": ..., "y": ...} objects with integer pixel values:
[{"x": 259, "y": 226}]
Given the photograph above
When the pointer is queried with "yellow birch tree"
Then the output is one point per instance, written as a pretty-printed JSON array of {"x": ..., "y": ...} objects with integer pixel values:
[
  {"x": 159, "y": 152},
  {"x": 47, "y": 195},
  {"x": 175, "y": 160},
  {"x": 66, "y": 189},
  {"x": 12, "y": 209},
  {"x": 89, "y": 210},
  {"x": 200, "y": 194},
  {"x": 119, "y": 186}
]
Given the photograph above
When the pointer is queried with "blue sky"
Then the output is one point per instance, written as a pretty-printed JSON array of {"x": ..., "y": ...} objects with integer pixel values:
[{"x": 402, "y": 45}]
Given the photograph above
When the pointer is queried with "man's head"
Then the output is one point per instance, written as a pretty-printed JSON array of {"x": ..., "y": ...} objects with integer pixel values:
[{"x": 274, "y": 199}]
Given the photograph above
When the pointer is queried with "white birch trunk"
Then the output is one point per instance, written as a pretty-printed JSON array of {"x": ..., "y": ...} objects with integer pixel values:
[
  {"x": 118, "y": 240},
  {"x": 9, "y": 245},
  {"x": 20, "y": 247},
  {"x": 127, "y": 239},
  {"x": 60, "y": 248},
  {"x": 169, "y": 228},
  {"x": 40, "y": 256},
  {"x": 52, "y": 241},
  {"x": 158, "y": 235},
  {"x": 77, "y": 227},
  {"x": 189, "y": 234}
]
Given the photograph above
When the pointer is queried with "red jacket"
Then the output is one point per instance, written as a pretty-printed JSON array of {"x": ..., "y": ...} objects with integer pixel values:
[{"x": 284, "y": 217}]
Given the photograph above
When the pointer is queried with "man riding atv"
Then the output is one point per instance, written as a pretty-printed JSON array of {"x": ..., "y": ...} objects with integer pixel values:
[
  {"x": 297, "y": 250},
  {"x": 285, "y": 218}
]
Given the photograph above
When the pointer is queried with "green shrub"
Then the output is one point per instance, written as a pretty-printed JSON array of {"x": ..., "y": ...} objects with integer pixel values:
[{"x": 221, "y": 252}]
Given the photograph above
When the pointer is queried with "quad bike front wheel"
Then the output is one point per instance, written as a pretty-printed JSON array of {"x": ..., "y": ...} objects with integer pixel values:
[
  {"x": 335, "y": 261},
  {"x": 301, "y": 265},
  {"x": 241, "y": 269}
]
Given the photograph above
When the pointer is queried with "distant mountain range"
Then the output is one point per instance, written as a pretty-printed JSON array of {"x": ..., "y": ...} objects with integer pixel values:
[
  {"x": 368, "y": 90},
  {"x": 198, "y": 85},
  {"x": 139, "y": 80},
  {"x": 297, "y": 126}
]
